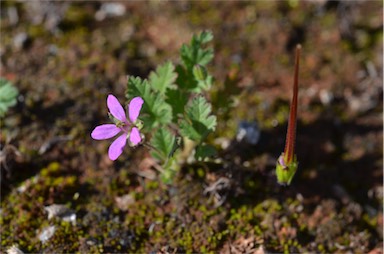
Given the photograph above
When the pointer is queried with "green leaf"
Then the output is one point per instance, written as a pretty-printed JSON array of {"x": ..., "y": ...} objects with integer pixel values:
[
  {"x": 163, "y": 78},
  {"x": 204, "y": 151},
  {"x": 177, "y": 99},
  {"x": 137, "y": 87},
  {"x": 200, "y": 111},
  {"x": 176, "y": 145},
  {"x": 155, "y": 110},
  {"x": 194, "y": 53},
  {"x": 185, "y": 79},
  {"x": 8, "y": 94},
  {"x": 206, "y": 36},
  {"x": 163, "y": 141},
  {"x": 188, "y": 81},
  {"x": 204, "y": 85},
  {"x": 193, "y": 76},
  {"x": 198, "y": 122},
  {"x": 194, "y": 133},
  {"x": 203, "y": 79}
]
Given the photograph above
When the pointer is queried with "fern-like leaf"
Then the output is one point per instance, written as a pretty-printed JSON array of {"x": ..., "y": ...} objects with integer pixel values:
[
  {"x": 198, "y": 122},
  {"x": 163, "y": 78}
]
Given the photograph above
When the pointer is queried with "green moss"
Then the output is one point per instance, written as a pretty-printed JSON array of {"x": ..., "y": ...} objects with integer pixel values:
[
  {"x": 51, "y": 170},
  {"x": 371, "y": 221},
  {"x": 76, "y": 17},
  {"x": 36, "y": 31},
  {"x": 200, "y": 173},
  {"x": 152, "y": 185}
]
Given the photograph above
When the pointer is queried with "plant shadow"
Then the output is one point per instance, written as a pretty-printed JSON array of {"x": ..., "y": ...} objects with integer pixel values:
[{"x": 324, "y": 171}]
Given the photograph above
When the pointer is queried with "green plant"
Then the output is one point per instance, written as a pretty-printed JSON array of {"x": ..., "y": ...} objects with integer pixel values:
[
  {"x": 175, "y": 113},
  {"x": 8, "y": 94}
]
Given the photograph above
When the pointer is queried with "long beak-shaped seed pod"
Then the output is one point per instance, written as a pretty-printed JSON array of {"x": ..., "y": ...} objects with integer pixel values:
[
  {"x": 286, "y": 165},
  {"x": 291, "y": 132}
]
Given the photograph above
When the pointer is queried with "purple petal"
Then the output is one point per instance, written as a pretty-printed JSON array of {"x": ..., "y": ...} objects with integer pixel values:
[
  {"x": 135, "y": 137},
  {"x": 281, "y": 161},
  {"x": 105, "y": 131},
  {"x": 116, "y": 148},
  {"x": 115, "y": 108},
  {"x": 134, "y": 108}
]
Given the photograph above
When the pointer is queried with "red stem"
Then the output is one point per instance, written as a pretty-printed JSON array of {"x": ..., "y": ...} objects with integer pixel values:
[{"x": 289, "y": 150}]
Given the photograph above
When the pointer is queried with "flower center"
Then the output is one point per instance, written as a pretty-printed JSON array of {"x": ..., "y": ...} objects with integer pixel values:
[{"x": 125, "y": 127}]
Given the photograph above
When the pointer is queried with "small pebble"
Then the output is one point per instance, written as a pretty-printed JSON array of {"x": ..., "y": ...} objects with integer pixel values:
[
  {"x": 14, "y": 250},
  {"x": 20, "y": 41},
  {"x": 249, "y": 132},
  {"x": 326, "y": 97},
  {"x": 47, "y": 233},
  {"x": 124, "y": 202},
  {"x": 110, "y": 10},
  {"x": 62, "y": 212}
]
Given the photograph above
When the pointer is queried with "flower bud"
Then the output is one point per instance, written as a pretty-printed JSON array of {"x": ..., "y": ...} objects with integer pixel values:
[{"x": 200, "y": 72}]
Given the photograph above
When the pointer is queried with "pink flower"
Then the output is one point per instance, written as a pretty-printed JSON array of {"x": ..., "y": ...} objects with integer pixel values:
[{"x": 124, "y": 125}]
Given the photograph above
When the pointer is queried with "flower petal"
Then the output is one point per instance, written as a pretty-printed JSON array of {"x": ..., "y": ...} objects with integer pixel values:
[
  {"x": 134, "y": 108},
  {"x": 115, "y": 108},
  {"x": 135, "y": 137},
  {"x": 116, "y": 148},
  {"x": 105, "y": 131}
]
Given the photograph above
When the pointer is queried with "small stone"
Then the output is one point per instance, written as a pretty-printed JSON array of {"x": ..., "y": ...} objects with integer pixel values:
[
  {"x": 249, "y": 132},
  {"x": 47, "y": 233},
  {"x": 110, "y": 10},
  {"x": 62, "y": 212},
  {"x": 326, "y": 97},
  {"x": 223, "y": 142},
  {"x": 21, "y": 40},
  {"x": 13, "y": 15},
  {"x": 124, "y": 202},
  {"x": 14, "y": 250}
]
